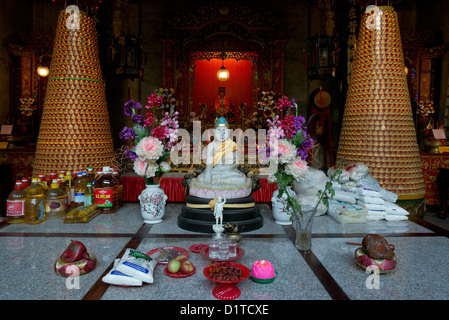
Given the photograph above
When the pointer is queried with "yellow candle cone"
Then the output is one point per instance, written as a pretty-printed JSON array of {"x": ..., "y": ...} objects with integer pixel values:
[
  {"x": 378, "y": 128},
  {"x": 75, "y": 130}
]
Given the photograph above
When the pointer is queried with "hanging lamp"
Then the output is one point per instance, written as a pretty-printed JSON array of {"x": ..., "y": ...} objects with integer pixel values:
[{"x": 222, "y": 73}]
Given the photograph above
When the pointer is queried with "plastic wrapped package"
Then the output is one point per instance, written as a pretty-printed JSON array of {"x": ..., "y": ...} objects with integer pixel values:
[
  {"x": 394, "y": 209},
  {"x": 357, "y": 171},
  {"x": 371, "y": 200},
  {"x": 344, "y": 212},
  {"x": 369, "y": 182},
  {"x": 344, "y": 196},
  {"x": 368, "y": 193},
  {"x": 119, "y": 278},
  {"x": 137, "y": 265},
  {"x": 372, "y": 206},
  {"x": 375, "y": 215},
  {"x": 388, "y": 195}
]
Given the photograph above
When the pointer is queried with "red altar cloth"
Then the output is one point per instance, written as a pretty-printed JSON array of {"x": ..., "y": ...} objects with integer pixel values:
[{"x": 133, "y": 186}]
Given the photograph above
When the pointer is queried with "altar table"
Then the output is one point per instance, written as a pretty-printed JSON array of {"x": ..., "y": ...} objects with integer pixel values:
[{"x": 133, "y": 186}]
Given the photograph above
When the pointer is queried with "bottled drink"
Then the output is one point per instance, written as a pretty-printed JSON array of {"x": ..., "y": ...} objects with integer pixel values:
[
  {"x": 104, "y": 192},
  {"x": 34, "y": 204},
  {"x": 80, "y": 189},
  {"x": 55, "y": 202},
  {"x": 15, "y": 204},
  {"x": 89, "y": 194},
  {"x": 118, "y": 187}
]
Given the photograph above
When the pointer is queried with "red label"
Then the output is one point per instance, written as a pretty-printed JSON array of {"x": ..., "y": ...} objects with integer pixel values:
[
  {"x": 15, "y": 208},
  {"x": 103, "y": 197}
]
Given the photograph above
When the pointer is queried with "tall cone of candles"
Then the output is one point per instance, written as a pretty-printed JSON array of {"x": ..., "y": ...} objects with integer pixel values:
[
  {"x": 75, "y": 131},
  {"x": 378, "y": 128}
]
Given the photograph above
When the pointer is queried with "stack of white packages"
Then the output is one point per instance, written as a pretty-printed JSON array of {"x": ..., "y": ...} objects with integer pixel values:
[
  {"x": 132, "y": 269},
  {"x": 357, "y": 187}
]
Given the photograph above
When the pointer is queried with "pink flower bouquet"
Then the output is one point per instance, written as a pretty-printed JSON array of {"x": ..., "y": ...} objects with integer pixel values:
[{"x": 153, "y": 138}]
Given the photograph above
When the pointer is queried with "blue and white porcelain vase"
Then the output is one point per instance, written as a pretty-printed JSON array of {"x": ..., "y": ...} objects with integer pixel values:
[{"x": 152, "y": 203}]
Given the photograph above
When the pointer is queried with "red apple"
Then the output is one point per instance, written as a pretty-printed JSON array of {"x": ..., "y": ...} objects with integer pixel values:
[{"x": 186, "y": 266}]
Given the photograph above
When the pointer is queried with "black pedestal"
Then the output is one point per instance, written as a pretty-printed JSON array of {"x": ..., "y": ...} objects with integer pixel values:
[{"x": 197, "y": 216}]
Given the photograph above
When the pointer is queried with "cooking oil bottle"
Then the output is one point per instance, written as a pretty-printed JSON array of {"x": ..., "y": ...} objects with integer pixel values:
[
  {"x": 15, "y": 204},
  {"x": 80, "y": 189},
  {"x": 69, "y": 186},
  {"x": 119, "y": 188},
  {"x": 104, "y": 192},
  {"x": 89, "y": 194},
  {"x": 55, "y": 202},
  {"x": 34, "y": 204}
]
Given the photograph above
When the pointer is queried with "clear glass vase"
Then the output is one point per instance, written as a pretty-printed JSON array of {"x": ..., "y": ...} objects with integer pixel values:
[{"x": 302, "y": 223}]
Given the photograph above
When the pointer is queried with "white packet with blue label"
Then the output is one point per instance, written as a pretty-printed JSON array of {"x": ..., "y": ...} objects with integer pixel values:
[
  {"x": 119, "y": 278},
  {"x": 137, "y": 265}
]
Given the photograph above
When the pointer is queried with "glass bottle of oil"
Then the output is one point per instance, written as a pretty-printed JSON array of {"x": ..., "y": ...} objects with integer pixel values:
[
  {"x": 15, "y": 204},
  {"x": 34, "y": 204}
]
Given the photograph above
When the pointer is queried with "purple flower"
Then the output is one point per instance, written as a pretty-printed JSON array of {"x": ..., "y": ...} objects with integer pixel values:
[
  {"x": 131, "y": 155},
  {"x": 127, "y": 133},
  {"x": 298, "y": 124},
  {"x": 137, "y": 118},
  {"x": 129, "y": 106}
]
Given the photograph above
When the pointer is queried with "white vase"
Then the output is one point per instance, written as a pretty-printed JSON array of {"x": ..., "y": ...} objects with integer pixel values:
[
  {"x": 280, "y": 214},
  {"x": 152, "y": 203}
]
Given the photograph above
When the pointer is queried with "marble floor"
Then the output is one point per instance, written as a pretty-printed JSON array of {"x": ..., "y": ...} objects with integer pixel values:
[{"x": 325, "y": 273}]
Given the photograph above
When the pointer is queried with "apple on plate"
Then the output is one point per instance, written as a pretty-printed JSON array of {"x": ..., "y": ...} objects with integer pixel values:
[{"x": 186, "y": 266}]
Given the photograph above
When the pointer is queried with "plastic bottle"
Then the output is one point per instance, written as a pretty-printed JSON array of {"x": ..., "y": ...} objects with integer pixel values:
[
  {"x": 69, "y": 185},
  {"x": 80, "y": 189},
  {"x": 15, "y": 204},
  {"x": 91, "y": 175},
  {"x": 97, "y": 176},
  {"x": 89, "y": 194},
  {"x": 34, "y": 204},
  {"x": 104, "y": 192},
  {"x": 25, "y": 183},
  {"x": 119, "y": 187},
  {"x": 44, "y": 183},
  {"x": 55, "y": 202}
]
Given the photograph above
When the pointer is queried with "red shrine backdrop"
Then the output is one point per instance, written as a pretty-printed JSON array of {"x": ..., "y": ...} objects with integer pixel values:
[{"x": 238, "y": 86}]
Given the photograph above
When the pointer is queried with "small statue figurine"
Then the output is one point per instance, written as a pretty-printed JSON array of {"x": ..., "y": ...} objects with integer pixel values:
[{"x": 218, "y": 214}]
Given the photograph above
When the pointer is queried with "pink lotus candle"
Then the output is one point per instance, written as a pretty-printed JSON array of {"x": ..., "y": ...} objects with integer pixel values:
[{"x": 262, "y": 269}]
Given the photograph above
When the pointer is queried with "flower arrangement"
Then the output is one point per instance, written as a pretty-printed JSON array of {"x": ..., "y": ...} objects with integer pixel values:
[
  {"x": 27, "y": 106},
  {"x": 288, "y": 146},
  {"x": 425, "y": 109},
  {"x": 267, "y": 103},
  {"x": 153, "y": 138}
]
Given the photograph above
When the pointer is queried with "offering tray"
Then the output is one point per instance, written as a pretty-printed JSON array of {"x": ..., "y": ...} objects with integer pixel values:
[
  {"x": 179, "y": 274},
  {"x": 226, "y": 289},
  {"x": 164, "y": 254}
]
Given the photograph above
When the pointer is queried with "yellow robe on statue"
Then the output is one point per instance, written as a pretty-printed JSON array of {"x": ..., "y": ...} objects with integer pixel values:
[{"x": 223, "y": 149}]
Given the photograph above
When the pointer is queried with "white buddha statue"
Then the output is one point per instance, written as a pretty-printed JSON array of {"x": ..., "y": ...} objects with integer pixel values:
[{"x": 221, "y": 176}]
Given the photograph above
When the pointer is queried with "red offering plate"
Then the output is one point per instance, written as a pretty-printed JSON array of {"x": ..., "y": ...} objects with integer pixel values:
[
  {"x": 179, "y": 274},
  {"x": 197, "y": 247},
  {"x": 205, "y": 254},
  {"x": 227, "y": 290},
  {"x": 164, "y": 254}
]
